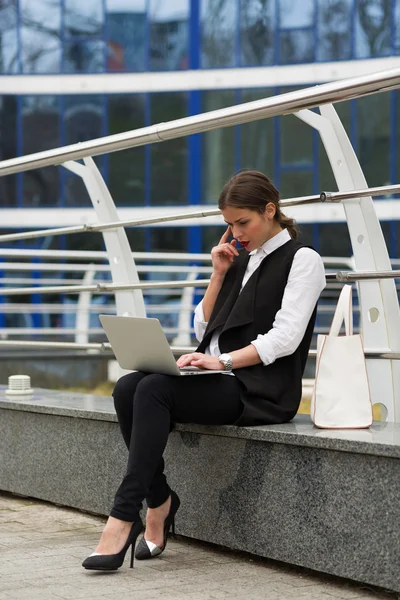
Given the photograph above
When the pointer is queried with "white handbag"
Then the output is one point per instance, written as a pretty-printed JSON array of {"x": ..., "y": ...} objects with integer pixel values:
[{"x": 341, "y": 397}]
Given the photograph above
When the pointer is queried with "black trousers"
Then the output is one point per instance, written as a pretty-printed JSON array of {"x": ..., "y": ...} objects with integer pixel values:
[{"x": 147, "y": 405}]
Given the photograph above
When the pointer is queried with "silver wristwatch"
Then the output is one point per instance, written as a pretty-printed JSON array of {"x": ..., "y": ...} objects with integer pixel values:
[{"x": 226, "y": 360}]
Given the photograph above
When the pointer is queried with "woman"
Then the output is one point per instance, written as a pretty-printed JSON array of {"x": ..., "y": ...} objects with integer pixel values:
[{"x": 255, "y": 322}]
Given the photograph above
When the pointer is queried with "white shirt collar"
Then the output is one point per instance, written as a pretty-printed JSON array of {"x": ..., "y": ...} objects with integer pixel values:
[{"x": 275, "y": 242}]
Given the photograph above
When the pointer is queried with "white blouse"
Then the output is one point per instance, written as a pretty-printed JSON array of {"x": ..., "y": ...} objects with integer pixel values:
[{"x": 305, "y": 283}]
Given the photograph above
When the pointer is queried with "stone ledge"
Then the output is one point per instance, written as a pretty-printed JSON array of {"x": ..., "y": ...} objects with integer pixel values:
[{"x": 382, "y": 439}]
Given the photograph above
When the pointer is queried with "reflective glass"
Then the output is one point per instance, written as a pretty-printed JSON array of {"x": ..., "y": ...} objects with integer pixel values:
[
  {"x": 257, "y": 18},
  {"x": 373, "y": 133},
  {"x": 218, "y": 148},
  {"x": 296, "y": 46},
  {"x": 84, "y": 56},
  {"x": 169, "y": 35},
  {"x": 91, "y": 242},
  {"x": 126, "y": 31},
  {"x": 334, "y": 240},
  {"x": 296, "y": 13},
  {"x": 83, "y": 19},
  {"x": 8, "y": 147},
  {"x": 210, "y": 236},
  {"x": 257, "y": 138},
  {"x": 41, "y": 131},
  {"x": 333, "y": 30},
  {"x": 126, "y": 169},
  {"x": 396, "y": 18},
  {"x": 296, "y": 139},
  {"x": 8, "y": 37},
  {"x": 295, "y": 183},
  {"x": 306, "y": 234},
  {"x": 136, "y": 238},
  {"x": 218, "y": 33},
  {"x": 83, "y": 120},
  {"x": 40, "y": 36},
  {"x": 169, "y": 159},
  {"x": 169, "y": 239},
  {"x": 372, "y": 28}
]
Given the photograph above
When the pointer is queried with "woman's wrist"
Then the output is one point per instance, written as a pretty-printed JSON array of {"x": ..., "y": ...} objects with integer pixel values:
[{"x": 217, "y": 277}]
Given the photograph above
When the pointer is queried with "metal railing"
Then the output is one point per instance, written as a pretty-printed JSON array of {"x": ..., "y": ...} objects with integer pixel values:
[
  {"x": 283, "y": 104},
  {"x": 368, "y": 244}
]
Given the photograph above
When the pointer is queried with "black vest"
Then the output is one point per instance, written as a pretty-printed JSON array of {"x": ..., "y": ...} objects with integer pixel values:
[{"x": 272, "y": 393}]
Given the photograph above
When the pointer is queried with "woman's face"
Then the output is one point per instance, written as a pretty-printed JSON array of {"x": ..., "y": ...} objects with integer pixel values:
[{"x": 250, "y": 227}]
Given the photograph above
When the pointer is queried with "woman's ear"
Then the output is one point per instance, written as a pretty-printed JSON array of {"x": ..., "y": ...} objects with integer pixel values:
[{"x": 270, "y": 210}]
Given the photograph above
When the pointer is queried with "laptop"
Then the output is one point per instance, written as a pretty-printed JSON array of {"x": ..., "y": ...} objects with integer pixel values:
[{"x": 140, "y": 345}]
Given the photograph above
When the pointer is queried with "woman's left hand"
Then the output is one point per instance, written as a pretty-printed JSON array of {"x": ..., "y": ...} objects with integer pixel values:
[{"x": 198, "y": 359}]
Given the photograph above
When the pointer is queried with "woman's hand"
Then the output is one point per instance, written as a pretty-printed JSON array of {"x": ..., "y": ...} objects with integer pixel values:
[
  {"x": 198, "y": 359},
  {"x": 223, "y": 254}
]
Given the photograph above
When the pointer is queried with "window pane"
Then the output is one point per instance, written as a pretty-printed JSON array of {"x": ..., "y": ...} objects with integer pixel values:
[
  {"x": 373, "y": 128},
  {"x": 373, "y": 28},
  {"x": 296, "y": 140},
  {"x": 83, "y": 118},
  {"x": 8, "y": 37},
  {"x": 218, "y": 148},
  {"x": 91, "y": 242},
  {"x": 40, "y": 36},
  {"x": 8, "y": 147},
  {"x": 136, "y": 238},
  {"x": 256, "y": 31},
  {"x": 396, "y": 18},
  {"x": 257, "y": 139},
  {"x": 326, "y": 180},
  {"x": 333, "y": 30},
  {"x": 334, "y": 240},
  {"x": 218, "y": 33},
  {"x": 169, "y": 159},
  {"x": 306, "y": 234},
  {"x": 126, "y": 29},
  {"x": 296, "y": 46},
  {"x": 41, "y": 131},
  {"x": 168, "y": 239},
  {"x": 296, "y": 13},
  {"x": 169, "y": 35},
  {"x": 126, "y": 168},
  {"x": 83, "y": 18},
  {"x": 210, "y": 237},
  {"x": 295, "y": 184},
  {"x": 84, "y": 57}
]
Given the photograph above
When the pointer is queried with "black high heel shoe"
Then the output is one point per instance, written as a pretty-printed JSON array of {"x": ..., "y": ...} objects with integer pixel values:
[
  {"x": 112, "y": 562},
  {"x": 146, "y": 549}
]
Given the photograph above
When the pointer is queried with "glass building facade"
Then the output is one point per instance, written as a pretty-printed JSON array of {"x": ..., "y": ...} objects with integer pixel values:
[{"x": 109, "y": 37}]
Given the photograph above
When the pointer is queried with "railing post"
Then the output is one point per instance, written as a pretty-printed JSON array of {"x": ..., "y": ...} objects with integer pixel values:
[
  {"x": 122, "y": 265},
  {"x": 185, "y": 314},
  {"x": 379, "y": 306},
  {"x": 82, "y": 324}
]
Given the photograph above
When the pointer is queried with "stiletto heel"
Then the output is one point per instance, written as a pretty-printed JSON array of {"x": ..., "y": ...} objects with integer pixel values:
[
  {"x": 112, "y": 562},
  {"x": 132, "y": 555},
  {"x": 146, "y": 549}
]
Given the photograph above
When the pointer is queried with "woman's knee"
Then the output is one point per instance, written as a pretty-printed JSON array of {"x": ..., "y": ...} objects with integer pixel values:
[
  {"x": 153, "y": 386},
  {"x": 124, "y": 389}
]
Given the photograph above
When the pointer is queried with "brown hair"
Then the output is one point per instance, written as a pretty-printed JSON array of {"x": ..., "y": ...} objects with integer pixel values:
[{"x": 254, "y": 190}]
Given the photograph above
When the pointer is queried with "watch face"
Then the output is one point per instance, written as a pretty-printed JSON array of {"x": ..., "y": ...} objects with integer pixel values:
[{"x": 226, "y": 360}]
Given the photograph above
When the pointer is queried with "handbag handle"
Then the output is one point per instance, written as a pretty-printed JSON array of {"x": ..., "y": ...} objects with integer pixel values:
[{"x": 343, "y": 312}]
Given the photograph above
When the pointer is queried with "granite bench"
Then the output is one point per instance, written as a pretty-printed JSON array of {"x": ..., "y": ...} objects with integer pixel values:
[{"x": 325, "y": 500}]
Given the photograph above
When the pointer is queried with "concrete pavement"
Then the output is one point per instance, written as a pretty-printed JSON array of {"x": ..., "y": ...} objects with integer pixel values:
[{"x": 42, "y": 547}]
